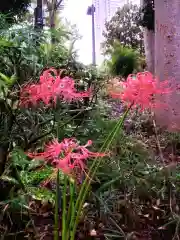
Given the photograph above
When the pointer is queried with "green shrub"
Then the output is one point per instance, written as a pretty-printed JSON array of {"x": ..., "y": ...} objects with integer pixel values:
[{"x": 123, "y": 60}]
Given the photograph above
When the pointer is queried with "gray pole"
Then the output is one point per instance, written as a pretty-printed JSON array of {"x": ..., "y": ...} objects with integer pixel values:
[
  {"x": 93, "y": 38},
  {"x": 91, "y": 11},
  {"x": 38, "y": 13}
]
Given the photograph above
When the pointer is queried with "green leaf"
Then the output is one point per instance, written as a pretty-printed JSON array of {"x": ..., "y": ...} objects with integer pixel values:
[
  {"x": 42, "y": 194},
  {"x": 35, "y": 177},
  {"x": 17, "y": 203},
  {"x": 9, "y": 179},
  {"x": 5, "y": 43},
  {"x": 8, "y": 80},
  {"x": 19, "y": 158},
  {"x": 2, "y": 85},
  {"x": 34, "y": 164}
]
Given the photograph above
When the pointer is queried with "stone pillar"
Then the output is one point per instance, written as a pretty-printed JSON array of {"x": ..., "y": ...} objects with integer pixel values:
[{"x": 167, "y": 58}]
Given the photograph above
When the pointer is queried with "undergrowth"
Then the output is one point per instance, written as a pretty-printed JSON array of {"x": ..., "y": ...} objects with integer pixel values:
[{"x": 132, "y": 195}]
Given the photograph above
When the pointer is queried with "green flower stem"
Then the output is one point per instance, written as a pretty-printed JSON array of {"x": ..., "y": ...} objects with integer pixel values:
[
  {"x": 56, "y": 226},
  {"x": 92, "y": 171},
  {"x": 84, "y": 188},
  {"x": 71, "y": 208},
  {"x": 64, "y": 208}
]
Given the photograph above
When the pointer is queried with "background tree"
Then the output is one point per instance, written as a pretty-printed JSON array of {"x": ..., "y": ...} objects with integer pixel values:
[
  {"x": 14, "y": 8},
  {"x": 53, "y": 8},
  {"x": 123, "y": 27},
  {"x": 52, "y": 19}
]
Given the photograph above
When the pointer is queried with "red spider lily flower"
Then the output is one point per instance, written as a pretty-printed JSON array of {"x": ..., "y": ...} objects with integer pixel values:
[
  {"x": 139, "y": 90},
  {"x": 50, "y": 88},
  {"x": 66, "y": 155}
]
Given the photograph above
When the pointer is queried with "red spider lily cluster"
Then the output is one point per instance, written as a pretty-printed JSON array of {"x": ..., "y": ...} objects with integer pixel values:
[
  {"x": 66, "y": 155},
  {"x": 50, "y": 88},
  {"x": 139, "y": 90}
]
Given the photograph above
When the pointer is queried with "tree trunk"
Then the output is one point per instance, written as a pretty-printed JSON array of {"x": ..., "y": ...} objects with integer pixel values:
[
  {"x": 52, "y": 15},
  {"x": 167, "y": 58},
  {"x": 149, "y": 46},
  {"x": 53, "y": 6}
]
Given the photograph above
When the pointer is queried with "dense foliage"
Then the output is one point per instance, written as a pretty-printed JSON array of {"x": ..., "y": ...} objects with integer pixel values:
[
  {"x": 25, "y": 52},
  {"x": 123, "y": 28},
  {"x": 14, "y": 8}
]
